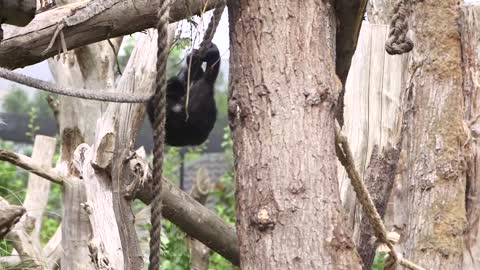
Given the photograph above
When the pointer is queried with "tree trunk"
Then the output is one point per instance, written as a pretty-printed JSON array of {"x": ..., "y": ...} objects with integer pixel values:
[
  {"x": 433, "y": 171},
  {"x": 281, "y": 104},
  {"x": 90, "y": 67},
  {"x": 470, "y": 30}
]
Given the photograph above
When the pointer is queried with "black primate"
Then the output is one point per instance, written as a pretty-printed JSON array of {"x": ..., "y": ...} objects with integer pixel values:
[{"x": 202, "y": 112}]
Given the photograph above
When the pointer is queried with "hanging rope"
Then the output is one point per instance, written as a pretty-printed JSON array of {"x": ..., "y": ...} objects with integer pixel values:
[
  {"x": 345, "y": 157},
  {"x": 398, "y": 42},
  {"x": 159, "y": 98},
  {"x": 212, "y": 27}
]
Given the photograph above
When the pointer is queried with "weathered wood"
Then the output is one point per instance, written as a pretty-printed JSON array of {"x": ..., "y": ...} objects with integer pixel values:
[
  {"x": 283, "y": 89},
  {"x": 24, "y": 46},
  {"x": 104, "y": 240},
  {"x": 433, "y": 174},
  {"x": 372, "y": 101},
  {"x": 17, "y": 12},
  {"x": 470, "y": 34},
  {"x": 32, "y": 166},
  {"x": 124, "y": 120},
  {"x": 38, "y": 188},
  {"x": 90, "y": 67},
  {"x": 9, "y": 216}
]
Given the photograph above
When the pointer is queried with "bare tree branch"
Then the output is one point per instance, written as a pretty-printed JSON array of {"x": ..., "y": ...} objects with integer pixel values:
[
  {"x": 32, "y": 166},
  {"x": 23, "y": 46}
]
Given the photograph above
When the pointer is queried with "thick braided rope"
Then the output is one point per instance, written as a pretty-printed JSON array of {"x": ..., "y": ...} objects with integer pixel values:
[
  {"x": 398, "y": 42},
  {"x": 346, "y": 158},
  {"x": 79, "y": 93},
  {"x": 159, "y": 99}
]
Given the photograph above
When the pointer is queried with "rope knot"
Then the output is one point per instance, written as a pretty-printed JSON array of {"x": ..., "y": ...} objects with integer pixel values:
[{"x": 398, "y": 42}]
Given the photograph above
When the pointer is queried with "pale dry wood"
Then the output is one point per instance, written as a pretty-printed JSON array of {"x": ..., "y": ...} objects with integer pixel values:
[
  {"x": 24, "y": 46},
  {"x": 90, "y": 67},
  {"x": 38, "y": 188},
  {"x": 104, "y": 240},
  {"x": 124, "y": 121},
  {"x": 372, "y": 102},
  {"x": 470, "y": 30},
  {"x": 53, "y": 250}
]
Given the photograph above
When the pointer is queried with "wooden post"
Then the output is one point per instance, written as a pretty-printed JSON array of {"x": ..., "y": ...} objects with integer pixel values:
[{"x": 17, "y": 12}]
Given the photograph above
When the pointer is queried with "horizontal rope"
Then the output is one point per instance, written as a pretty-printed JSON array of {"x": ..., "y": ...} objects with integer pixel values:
[{"x": 79, "y": 93}]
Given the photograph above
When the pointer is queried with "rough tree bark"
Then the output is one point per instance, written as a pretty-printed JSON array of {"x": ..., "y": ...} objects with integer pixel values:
[
  {"x": 283, "y": 91},
  {"x": 470, "y": 29},
  {"x": 433, "y": 171}
]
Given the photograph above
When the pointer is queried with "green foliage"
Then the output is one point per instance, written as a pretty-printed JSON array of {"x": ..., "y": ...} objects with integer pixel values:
[
  {"x": 12, "y": 180},
  {"x": 379, "y": 261},
  {"x": 16, "y": 101},
  {"x": 32, "y": 128},
  {"x": 175, "y": 255},
  {"x": 12, "y": 188}
]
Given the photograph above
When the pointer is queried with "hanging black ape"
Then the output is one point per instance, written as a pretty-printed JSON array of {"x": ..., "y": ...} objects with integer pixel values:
[{"x": 202, "y": 112}]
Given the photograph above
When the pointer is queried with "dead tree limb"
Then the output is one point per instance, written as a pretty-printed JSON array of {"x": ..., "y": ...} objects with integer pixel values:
[
  {"x": 32, "y": 166},
  {"x": 9, "y": 216},
  {"x": 23, "y": 46}
]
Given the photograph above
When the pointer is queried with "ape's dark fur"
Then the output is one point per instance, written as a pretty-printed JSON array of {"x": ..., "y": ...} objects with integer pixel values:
[{"x": 202, "y": 112}]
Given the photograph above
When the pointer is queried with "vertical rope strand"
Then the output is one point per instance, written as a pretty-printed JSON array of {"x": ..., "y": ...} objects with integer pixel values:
[
  {"x": 212, "y": 27},
  {"x": 159, "y": 99}
]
